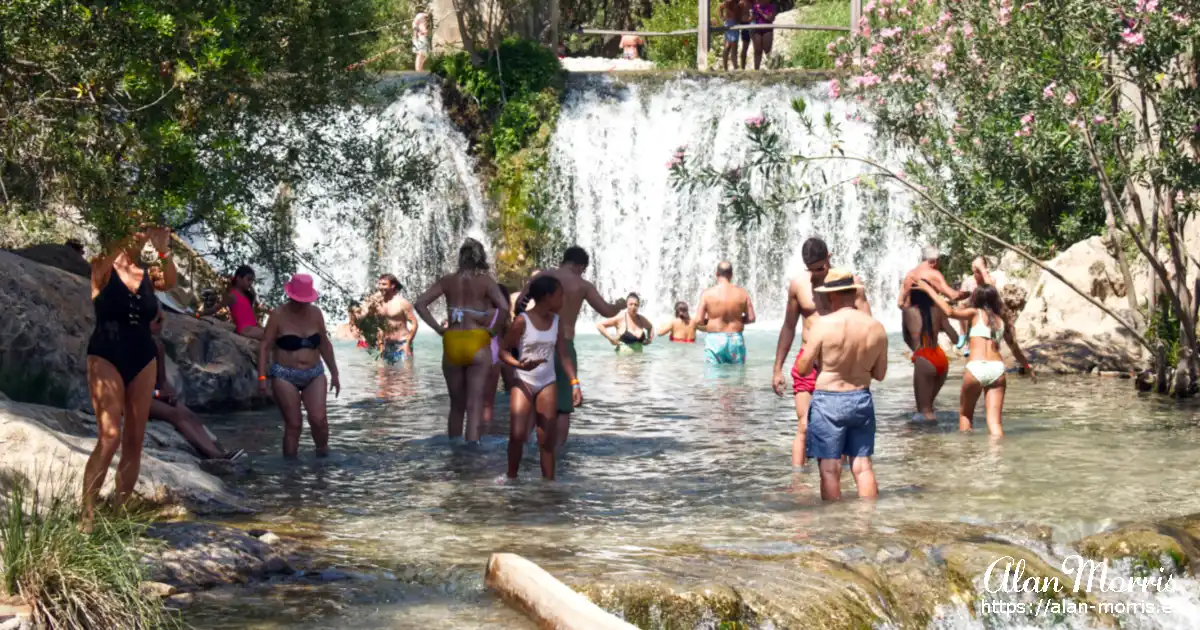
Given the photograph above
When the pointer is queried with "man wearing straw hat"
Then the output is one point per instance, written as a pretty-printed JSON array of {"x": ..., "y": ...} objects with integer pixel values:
[{"x": 851, "y": 347}]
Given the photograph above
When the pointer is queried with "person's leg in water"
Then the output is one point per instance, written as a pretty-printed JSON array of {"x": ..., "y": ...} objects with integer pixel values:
[
  {"x": 189, "y": 426},
  {"x": 803, "y": 399},
  {"x": 489, "y": 397},
  {"x": 521, "y": 414},
  {"x": 926, "y": 383},
  {"x": 456, "y": 386},
  {"x": 314, "y": 398},
  {"x": 563, "y": 391},
  {"x": 831, "y": 478},
  {"x": 970, "y": 395},
  {"x": 138, "y": 395},
  {"x": 478, "y": 376},
  {"x": 107, "y": 390},
  {"x": 547, "y": 422},
  {"x": 864, "y": 477},
  {"x": 993, "y": 400},
  {"x": 287, "y": 397}
]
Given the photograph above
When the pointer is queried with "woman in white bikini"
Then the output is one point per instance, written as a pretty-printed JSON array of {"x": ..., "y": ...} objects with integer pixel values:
[
  {"x": 535, "y": 393},
  {"x": 985, "y": 372}
]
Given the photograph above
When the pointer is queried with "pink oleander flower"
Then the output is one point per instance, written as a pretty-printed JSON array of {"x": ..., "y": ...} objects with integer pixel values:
[
  {"x": 1099, "y": 120},
  {"x": 830, "y": 47},
  {"x": 939, "y": 68},
  {"x": 835, "y": 89},
  {"x": 755, "y": 121},
  {"x": 924, "y": 141},
  {"x": 1048, "y": 91},
  {"x": 838, "y": 63},
  {"x": 1133, "y": 39},
  {"x": 867, "y": 80},
  {"x": 968, "y": 31},
  {"x": 865, "y": 31},
  {"x": 1027, "y": 5},
  {"x": 1077, "y": 124},
  {"x": 875, "y": 50},
  {"x": 869, "y": 62},
  {"x": 881, "y": 12},
  {"x": 1147, "y": 6},
  {"x": 880, "y": 101},
  {"x": 1005, "y": 15},
  {"x": 889, "y": 33},
  {"x": 944, "y": 49},
  {"x": 854, "y": 182},
  {"x": 1027, "y": 118},
  {"x": 869, "y": 7},
  {"x": 950, "y": 140},
  {"x": 927, "y": 30},
  {"x": 863, "y": 22},
  {"x": 944, "y": 19},
  {"x": 904, "y": 12},
  {"x": 977, "y": 142},
  {"x": 1180, "y": 20},
  {"x": 1070, "y": 99}
]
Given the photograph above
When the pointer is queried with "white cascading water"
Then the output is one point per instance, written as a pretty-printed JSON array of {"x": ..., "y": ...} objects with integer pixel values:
[
  {"x": 420, "y": 243},
  {"x": 615, "y": 199}
]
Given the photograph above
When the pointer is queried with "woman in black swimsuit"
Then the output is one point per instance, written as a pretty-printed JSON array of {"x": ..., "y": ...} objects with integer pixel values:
[
  {"x": 297, "y": 331},
  {"x": 121, "y": 360},
  {"x": 635, "y": 330}
]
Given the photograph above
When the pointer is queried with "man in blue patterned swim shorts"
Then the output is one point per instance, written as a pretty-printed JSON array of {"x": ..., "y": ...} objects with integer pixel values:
[{"x": 725, "y": 309}]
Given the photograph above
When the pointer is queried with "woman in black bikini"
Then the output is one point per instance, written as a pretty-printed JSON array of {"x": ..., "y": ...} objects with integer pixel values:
[
  {"x": 121, "y": 360},
  {"x": 635, "y": 330},
  {"x": 297, "y": 331}
]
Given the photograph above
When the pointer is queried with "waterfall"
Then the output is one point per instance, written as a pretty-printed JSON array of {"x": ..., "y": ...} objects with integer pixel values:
[
  {"x": 613, "y": 195},
  {"x": 417, "y": 244}
]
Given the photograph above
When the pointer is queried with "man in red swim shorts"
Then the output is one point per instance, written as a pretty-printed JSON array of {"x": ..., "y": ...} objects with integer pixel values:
[{"x": 803, "y": 301}]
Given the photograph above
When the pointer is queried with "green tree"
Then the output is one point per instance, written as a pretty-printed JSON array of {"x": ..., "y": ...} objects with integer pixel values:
[{"x": 193, "y": 113}]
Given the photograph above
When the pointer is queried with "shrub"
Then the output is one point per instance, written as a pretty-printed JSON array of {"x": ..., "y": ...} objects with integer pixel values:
[
  {"x": 808, "y": 49},
  {"x": 675, "y": 15},
  {"x": 71, "y": 578},
  {"x": 520, "y": 68}
]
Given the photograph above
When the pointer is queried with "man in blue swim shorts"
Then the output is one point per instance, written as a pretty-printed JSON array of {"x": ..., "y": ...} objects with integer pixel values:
[
  {"x": 851, "y": 347},
  {"x": 725, "y": 309}
]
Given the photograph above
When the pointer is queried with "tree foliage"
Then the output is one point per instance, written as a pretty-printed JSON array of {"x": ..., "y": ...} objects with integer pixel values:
[{"x": 193, "y": 113}]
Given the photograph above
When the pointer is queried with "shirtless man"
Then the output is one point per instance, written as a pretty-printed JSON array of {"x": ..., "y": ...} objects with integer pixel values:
[
  {"x": 725, "y": 309},
  {"x": 576, "y": 290},
  {"x": 398, "y": 320},
  {"x": 851, "y": 348},
  {"x": 803, "y": 301},
  {"x": 923, "y": 322}
]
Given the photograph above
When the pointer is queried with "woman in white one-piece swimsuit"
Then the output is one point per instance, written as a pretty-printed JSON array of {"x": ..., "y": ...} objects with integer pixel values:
[{"x": 537, "y": 336}]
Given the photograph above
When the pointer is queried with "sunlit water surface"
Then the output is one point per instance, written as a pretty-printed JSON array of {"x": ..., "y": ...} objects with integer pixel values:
[{"x": 668, "y": 454}]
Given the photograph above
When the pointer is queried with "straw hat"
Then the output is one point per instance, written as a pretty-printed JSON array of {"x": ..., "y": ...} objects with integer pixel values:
[{"x": 838, "y": 280}]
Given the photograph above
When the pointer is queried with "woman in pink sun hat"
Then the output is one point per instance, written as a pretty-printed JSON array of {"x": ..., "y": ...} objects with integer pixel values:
[{"x": 302, "y": 348}]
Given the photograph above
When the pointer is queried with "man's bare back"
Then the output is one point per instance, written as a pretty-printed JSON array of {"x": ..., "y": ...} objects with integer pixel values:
[
  {"x": 851, "y": 347},
  {"x": 726, "y": 307},
  {"x": 812, "y": 305}
]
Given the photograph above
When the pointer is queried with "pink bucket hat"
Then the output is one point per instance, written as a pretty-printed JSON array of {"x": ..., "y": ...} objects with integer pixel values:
[{"x": 300, "y": 288}]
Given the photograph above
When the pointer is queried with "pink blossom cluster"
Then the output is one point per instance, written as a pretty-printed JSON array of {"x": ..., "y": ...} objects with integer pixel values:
[
  {"x": 835, "y": 89},
  {"x": 867, "y": 80},
  {"x": 1181, "y": 20},
  {"x": 1005, "y": 12},
  {"x": 1070, "y": 99},
  {"x": 755, "y": 121},
  {"x": 889, "y": 33},
  {"x": 1132, "y": 38},
  {"x": 677, "y": 159},
  {"x": 1026, "y": 130},
  {"x": 1147, "y": 6},
  {"x": 1048, "y": 91}
]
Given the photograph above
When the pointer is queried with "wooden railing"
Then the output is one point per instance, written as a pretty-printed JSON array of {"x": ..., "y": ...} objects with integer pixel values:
[{"x": 704, "y": 29}]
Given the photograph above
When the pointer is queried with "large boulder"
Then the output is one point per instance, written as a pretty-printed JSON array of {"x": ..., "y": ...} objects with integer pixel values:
[
  {"x": 1062, "y": 331},
  {"x": 63, "y": 257},
  {"x": 49, "y": 317},
  {"x": 49, "y": 447}
]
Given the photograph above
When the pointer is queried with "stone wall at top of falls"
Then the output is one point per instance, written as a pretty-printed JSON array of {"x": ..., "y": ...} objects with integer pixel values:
[{"x": 612, "y": 194}]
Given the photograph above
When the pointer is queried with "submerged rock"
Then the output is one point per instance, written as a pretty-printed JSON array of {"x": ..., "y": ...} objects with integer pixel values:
[
  {"x": 49, "y": 317},
  {"x": 202, "y": 555}
]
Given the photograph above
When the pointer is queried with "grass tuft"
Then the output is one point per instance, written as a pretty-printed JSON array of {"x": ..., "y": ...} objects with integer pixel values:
[{"x": 73, "y": 579}]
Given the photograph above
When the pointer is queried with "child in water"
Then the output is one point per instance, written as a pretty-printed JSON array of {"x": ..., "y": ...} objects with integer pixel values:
[{"x": 539, "y": 339}]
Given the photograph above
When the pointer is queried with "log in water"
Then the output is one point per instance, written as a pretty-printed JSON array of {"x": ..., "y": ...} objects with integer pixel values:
[{"x": 550, "y": 603}]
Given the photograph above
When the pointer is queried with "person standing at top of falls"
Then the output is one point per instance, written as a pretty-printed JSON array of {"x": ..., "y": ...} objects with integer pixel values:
[
  {"x": 985, "y": 371},
  {"x": 682, "y": 329},
  {"x": 629, "y": 46},
  {"x": 397, "y": 321},
  {"x": 724, "y": 311},
  {"x": 731, "y": 13},
  {"x": 763, "y": 12},
  {"x": 851, "y": 348},
  {"x": 576, "y": 291},
  {"x": 420, "y": 38},
  {"x": 469, "y": 349},
  {"x": 804, "y": 301},
  {"x": 633, "y": 329},
  {"x": 922, "y": 325},
  {"x": 745, "y": 16}
]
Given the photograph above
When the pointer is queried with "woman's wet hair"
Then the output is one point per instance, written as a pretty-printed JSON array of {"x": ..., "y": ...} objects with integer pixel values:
[
  {"x": 472, "y": 257},
  {"x": 543, "y": 286},
  {"x": 987, "y": 299},
  {"x": 242, "y": 272},
  {"x": 634, "y": 296},
  {"x": 681, "y": 310}
]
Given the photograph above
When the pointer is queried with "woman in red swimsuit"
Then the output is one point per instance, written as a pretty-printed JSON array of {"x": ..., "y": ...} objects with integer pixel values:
[{"x": 681, "y": 329}]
